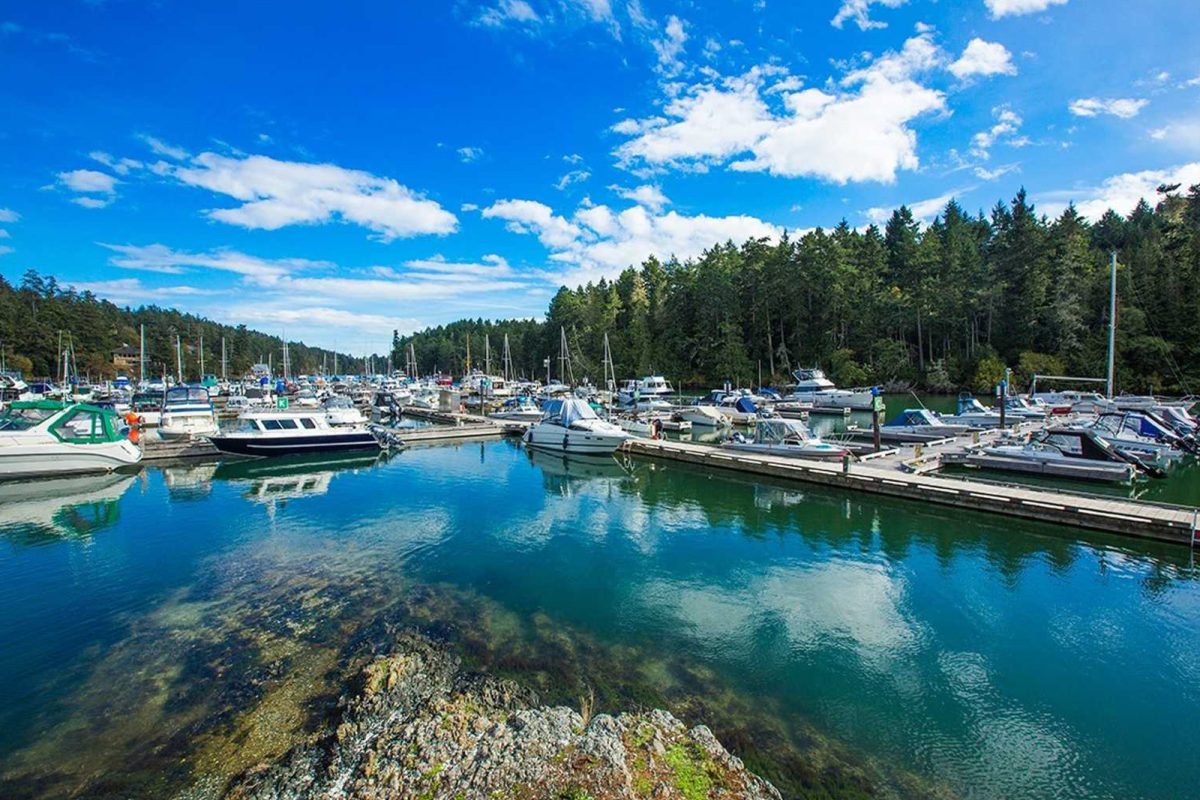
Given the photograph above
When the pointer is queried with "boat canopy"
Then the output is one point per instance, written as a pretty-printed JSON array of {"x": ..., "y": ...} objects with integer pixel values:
[
  {"x": 967, "y": 403},
  {"x": 779, "y": 430},
  {"x": 568, "y": 411},
  {"x": 745, "y": 405},
  {"x": 187, "y": 394},
  {"x": 915, "y": 417}
]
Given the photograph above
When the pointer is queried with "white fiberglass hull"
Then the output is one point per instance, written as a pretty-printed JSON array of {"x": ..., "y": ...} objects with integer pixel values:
[
  {"x": 23, "y": 461},
  {"x": 574, "y": 440},
  {"x": 517, "y": 416},
  {"x": 704, "y": 416},
  {"x": 186, "y": 425}
]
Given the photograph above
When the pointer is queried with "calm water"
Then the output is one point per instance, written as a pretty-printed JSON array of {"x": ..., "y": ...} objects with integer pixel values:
[{"x": 168, "y": 629}]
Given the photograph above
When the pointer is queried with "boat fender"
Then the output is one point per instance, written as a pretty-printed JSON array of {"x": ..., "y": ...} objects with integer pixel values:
[{"x": 566, "y": 440}]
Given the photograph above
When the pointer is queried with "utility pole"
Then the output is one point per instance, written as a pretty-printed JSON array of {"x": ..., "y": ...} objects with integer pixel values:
[{"x": 1112, "y": 325}]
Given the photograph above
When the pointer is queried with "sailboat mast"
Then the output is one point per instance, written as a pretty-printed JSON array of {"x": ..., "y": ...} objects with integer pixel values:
[
  {"x": 178, "y": 359},
  {"x": 487, "y": 355},
  {"x": 202, "y": 356},
  {"x": 141, "y": 354},
  {"x": 1112, "y": 325},
  {"x": 224, "y": 362}
]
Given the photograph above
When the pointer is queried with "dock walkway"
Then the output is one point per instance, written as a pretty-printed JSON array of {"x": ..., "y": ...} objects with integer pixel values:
[{"x": 1115, "y": 515}]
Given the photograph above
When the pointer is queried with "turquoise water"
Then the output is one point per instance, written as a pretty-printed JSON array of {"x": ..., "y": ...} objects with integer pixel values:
[{"x": 172, "y": 628}]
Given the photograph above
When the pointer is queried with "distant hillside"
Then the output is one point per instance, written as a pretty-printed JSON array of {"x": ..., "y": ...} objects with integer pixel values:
[{"x": 33, "y": 314}]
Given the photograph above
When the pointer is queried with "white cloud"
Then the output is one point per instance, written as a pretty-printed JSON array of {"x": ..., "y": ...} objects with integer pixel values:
[
  {"x": 507, "y": 11},
  {"x": 5, "y": 250},
  {"x": 8, "y": 215},
  {"x": 857, "y": 131},
  {"x": 572, "y": 177},
  {"x": 1014, "y": 8},
  {"x": 923, "y": 210},
  {"x": 88, "y": 180},
  {"x": 1182, "y": 134},
  {"x": 1123, "y": 107},
  {"x": 983, "y": 58},
  {"x": 1121, "y": 192},
  {"x": 132, "y": 292},
  {"x": 163, "y": 259},
  {"x": 996, "y": 172},
  {"x": 92, "y": 202},
  {"x": 276, "y": 194},
  {"x": 465, "y": 207},
  {"x": 163, "y": 149},
  {"x": 5, "y": 234},
  {"x": 1008, "y": 122},
  {"x": 670, "y": 47},
  {"x": 121, "y": 166},
  {"x": 599, "y": 242},
  {"x": 469, "y": 154},
  {"x": 859, "y": 12},
  {"x": 650, "y": 196}
]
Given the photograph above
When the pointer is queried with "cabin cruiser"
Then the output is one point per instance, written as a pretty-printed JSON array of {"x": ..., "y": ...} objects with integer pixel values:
[
  {"x": 340, "y": 412},
  {"x": 307, "y": 398},
  {"x": 13, "y": 388},
  {"x": 1178, "y": 419},
  {"x": 738, "y": 407},
  {"x": 1021, "y": 408},
  {"x": 813, "y": 387},
  {"x": 703, "y": 415},
  {"x": 279, "y": 433},
  {"x": 786, "y": 437},
  {"x": 1079, "y": 402},
  {"x": 652, "y": 387},
  {"x": 45, "y": 437},
  {"x": 922, "y": 420},
  {"x": 518, "y": 409},
  {"x": 187, "y": 412},
  {"x": 570, "y": 425}
]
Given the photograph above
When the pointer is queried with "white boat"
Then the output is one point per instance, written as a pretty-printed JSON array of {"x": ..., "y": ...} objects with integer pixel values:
[
  {"x": 652, "y": 387},
  {"x": 148, "y": 407},
  {"x": 973, "y": 413},
  {"x": 279, "y": 433},
  {"x": 13, "y": 388},
  {"x": 187, "y": 413},
  {"x": 518, "y": 409},
  {"x": 703, "y": 416},
  {"x": 922, "y": 420},
  {"x": 812, "y": 386},
  {"x": 570, "y": 425},
  {"x": 44, "y": 437},
  {"x": 307, "y": 398},
  {"x": 1076, "y": 401},
  {"x": 737, "y": 406},
  {"x": 340, "y": 412},
  {"x": 1133, "y": 433},
  {"x": 786, "y": 437}
]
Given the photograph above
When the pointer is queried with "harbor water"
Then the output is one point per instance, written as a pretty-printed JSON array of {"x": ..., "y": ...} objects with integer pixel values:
[{"x": 166, "y": 630}]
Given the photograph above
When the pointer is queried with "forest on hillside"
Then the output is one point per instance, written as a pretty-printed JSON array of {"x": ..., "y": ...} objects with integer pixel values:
[
  {"x": 36, "y": 316},
  {"x": 941, "y": 307}
]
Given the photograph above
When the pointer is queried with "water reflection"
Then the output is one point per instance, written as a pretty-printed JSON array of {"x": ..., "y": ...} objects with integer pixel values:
[
  {"x": 272, "y": 482},
  {"x": 189, "y": 481},
  {"x": 75, "y": 506}
]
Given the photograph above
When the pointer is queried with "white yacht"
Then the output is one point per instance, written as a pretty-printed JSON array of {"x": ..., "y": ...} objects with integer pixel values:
[
  {"x": 187, "y": 412},
  {"x": 44, "y": 437},
  {"x": 786, "y": 437},
  {"x": 813, "y": 387},
  {"x": 703, "y": 416},
  {"x": 570, "y": 425},
  {"x": 652, "y": 387},
  {"x": 279, "y": 433}
]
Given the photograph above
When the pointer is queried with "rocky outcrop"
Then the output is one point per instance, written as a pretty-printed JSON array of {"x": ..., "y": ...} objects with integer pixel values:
[{"x": 416, "y": 726}]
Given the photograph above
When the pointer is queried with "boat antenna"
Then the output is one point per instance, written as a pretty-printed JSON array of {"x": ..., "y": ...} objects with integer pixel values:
[{"x": 918, "y": 399}]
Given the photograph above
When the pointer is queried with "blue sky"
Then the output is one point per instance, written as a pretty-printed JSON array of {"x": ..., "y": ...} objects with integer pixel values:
[{"x": 337, "y": 170}]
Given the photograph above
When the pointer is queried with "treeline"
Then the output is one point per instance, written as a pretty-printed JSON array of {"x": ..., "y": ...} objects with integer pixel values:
[
  {"x": 35, "y": 315},
  {"x": 944, "y": 307}
]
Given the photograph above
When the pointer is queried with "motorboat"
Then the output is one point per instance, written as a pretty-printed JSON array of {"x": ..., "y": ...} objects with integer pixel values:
[
  {"x": 1135, "y": 432},
  {"x": 922, "y": 420},
  {"x": 1058, "y": 450},
  {"x": 518, "y": 409},
  {"x": 570, "y": 425},
  {"x": 45, "y": 437},
  {"x": 651, "y": 387},
  {"x": 279, "y": 433},
  {"x": 13, "y": 388},
  {"x": 1178, "y": 419},
  {"x": 738, "y": 408},
  {"x": 340, "y": 412},
  {"x": 187, "y": 413},
  {"x": 703, "y": 416},
  {"x": 1072, "y": 400},
  {"x": 1022, "y": 408},
  {"x": 973, "y": 413},
  {"x": 813, "y": 387},
  {"x": 307, "y": 398},
  {"x": 778, "y": 436}
]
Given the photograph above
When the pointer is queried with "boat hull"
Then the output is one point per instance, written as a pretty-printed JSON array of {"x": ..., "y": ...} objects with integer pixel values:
[
  {"x": 579, "y": 442},
  {"x": 264, "y": 446},
  {"x": 66, "y": 459},
  {"x": 807, "y": 453}
]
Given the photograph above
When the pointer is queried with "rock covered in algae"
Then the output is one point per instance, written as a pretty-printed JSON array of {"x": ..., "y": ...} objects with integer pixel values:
[{"x": 416, "y": 726}]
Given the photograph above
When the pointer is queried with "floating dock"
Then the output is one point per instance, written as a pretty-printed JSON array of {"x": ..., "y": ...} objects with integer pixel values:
[
  {"x": 882, "y": 476},
  {"x": 1091, "y": 471}
]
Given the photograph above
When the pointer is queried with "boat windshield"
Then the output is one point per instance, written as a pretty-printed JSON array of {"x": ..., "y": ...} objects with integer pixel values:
[
  {"x": 781, "y": 431},
  {"x": 187, "y": 394},
  {"x": 22, "y": 419}
]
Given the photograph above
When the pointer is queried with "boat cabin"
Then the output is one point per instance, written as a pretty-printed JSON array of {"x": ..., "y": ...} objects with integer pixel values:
[{"x": 916, "y": 418}]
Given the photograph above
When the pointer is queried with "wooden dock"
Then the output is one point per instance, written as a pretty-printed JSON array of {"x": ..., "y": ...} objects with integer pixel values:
[{"x": 880, "y": 476}]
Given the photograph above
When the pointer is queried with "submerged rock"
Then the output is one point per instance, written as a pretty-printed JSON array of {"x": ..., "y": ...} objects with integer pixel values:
[{"x": 415, "y": 725}]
